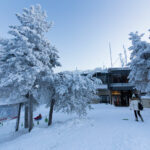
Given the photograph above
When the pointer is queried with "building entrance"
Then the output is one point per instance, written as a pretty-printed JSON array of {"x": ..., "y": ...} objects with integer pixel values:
[{"x": 121, "y": 98}]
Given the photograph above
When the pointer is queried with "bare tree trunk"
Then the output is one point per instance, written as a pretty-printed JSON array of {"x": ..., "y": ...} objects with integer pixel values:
[
  {"x": 30, "y": 114},
  {"x": 26, "y": 118},
  {"x": 51, "y": 112},
  {"x": 18, "y": 117}
]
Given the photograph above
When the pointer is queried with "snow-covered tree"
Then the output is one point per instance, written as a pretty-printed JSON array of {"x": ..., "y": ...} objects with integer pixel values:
[
  {"x": 139, "y": 62},
  {"x": 28, "y": 54},
  {"x": 27, "y": 58},
  {"x": 71, "y": 93},
  {"x": 146, "y": 56}
]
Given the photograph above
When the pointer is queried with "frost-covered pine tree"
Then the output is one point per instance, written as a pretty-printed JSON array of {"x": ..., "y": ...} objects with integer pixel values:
[
  {"x": 27, "y": 55},
  {"x": 139, "y": 62},
  {"x": 27, "y": 58},
  {"x": 72, "y": 93},
  {"x": 146, "y": 56}
]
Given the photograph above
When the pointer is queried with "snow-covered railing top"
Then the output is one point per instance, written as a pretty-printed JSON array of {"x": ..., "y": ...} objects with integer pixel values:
[
  {"x": 12, "y": 103},
  {"x": 9, "y": 110}
]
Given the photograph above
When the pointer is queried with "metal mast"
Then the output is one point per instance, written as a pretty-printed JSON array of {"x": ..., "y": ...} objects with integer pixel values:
[
  {"x": 125, "y": 55},
  {"x": 110, "y": 55},
  {"x": 121, "y": 60}
]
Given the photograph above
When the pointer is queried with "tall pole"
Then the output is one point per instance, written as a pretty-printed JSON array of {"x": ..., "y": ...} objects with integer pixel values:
[
  {"x": 110, "y": 55},
  {"x": 125, "y": 55},
  {"x": 121, "y": 60},
  {"x": 110, "y": 92}
]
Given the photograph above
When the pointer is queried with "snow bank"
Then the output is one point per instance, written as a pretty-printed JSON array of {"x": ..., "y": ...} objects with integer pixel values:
[
  {"x": 145, "y": 97},
  {"x": 105, "y": 128}
]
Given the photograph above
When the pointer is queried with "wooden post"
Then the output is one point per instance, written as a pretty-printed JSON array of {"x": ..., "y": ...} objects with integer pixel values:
[
  {"x": 51, "y": 112},
  {"x": 26, "y": 118},
  {"x": 30, "y": 113},
  {"x": 18, "y": 117}
]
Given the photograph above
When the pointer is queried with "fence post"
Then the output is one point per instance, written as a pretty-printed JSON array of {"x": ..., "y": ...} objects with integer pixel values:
[
  {"x": 18, "y": 117},
  {"x": 51, "y": 112},
  {"x": 26, "y": 118},
  {"x": 30, "y": 113}
]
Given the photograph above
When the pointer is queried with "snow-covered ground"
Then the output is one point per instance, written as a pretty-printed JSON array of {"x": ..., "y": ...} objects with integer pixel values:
[{"x": 105, "y": 128}]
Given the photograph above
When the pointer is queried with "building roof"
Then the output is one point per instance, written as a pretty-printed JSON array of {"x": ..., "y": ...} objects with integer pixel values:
[
  {"x": 121, "y": 86},
  {"x": 118, "y": 68},
  {"x": 102, "y": 87}
]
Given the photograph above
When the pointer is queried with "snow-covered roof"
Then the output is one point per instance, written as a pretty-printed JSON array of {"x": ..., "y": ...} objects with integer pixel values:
[
  {"x": 121, "y": 85},
  {"x": 119, "y": 68},
  {"x": 103, "y": 86},
  {"x": 96, "y": 70}
]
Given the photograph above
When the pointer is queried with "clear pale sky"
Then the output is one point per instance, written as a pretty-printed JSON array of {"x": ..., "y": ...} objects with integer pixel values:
[{"x": 83, "y": 29}]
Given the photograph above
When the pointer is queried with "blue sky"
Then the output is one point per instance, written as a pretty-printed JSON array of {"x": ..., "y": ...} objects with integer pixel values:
[{"x": 83, "y": 29}]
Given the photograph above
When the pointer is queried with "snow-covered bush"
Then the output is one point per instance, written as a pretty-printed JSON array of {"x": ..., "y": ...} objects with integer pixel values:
[{"x": 73, "y": 92}]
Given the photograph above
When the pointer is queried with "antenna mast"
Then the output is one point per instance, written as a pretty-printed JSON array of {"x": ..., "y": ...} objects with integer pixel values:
[
  {"x": 121, "y": 60},
  {"x": 125, "y": 55},
  {"x": 110, "y": 55}
]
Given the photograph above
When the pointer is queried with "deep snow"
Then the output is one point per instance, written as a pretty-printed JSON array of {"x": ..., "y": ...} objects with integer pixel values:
[{"x": 104, "y": 128}]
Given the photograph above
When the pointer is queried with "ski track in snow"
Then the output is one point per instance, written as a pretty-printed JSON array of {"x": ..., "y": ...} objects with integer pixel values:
[{"x": 102, "y": 129}]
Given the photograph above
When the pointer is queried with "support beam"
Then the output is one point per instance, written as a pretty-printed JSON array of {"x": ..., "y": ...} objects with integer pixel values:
[{"x": 26, "y": 117}]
